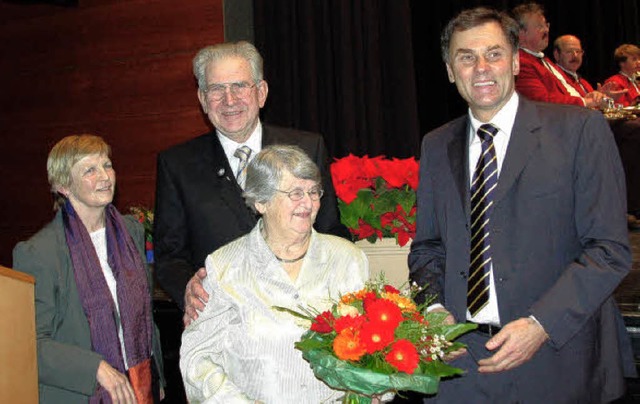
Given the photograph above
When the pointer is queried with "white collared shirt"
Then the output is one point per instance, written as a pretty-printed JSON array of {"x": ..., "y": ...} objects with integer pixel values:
[
  {"x": 254, "y": 143},
  {"x": 503, "y": 120}
]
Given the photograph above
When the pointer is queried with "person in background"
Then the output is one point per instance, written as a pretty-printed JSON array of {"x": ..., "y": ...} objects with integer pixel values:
[
  {"x": 568, "y": 54},
  {"x": 96, "y": 339},
  {"x": 627, "y": 57},
  {"x": 539, "y": 78},
  {"x": 241, "y": 349},
  {"x": 521, "y": 230},
  {"x": 199, "y": 205}
]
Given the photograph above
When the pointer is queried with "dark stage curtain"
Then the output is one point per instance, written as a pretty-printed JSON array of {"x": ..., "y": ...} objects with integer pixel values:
[
  {"x": 368, "y": 73},
  {"x": 341, "y": 68}
]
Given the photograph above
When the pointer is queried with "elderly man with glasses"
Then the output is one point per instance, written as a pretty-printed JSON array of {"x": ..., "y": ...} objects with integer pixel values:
[{"x": 199, "y": 201}]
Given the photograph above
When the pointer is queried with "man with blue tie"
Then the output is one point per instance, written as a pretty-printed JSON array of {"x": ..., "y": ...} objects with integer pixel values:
[{"x": 521, "y": 230}]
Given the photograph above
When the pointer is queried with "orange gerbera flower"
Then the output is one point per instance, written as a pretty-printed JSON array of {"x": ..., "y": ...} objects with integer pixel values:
[
  {"x": 403, "y": 356},
  {"x": 347, "y": 345},
  {"x": 405, "y": 304},
  {"x": 354, "y": 296},
  {"x": 375, "y": 337},
  {"x": 385, "y": 312}
]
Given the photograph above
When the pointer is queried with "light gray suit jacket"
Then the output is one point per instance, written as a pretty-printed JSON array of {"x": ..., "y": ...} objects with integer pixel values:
[
  {"x": 67, "y": 366},
  {"x": 559, "y": 242}
]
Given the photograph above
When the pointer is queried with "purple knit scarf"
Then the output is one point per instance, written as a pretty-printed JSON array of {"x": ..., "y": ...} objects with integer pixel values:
[{"x": 134, "y": 299}]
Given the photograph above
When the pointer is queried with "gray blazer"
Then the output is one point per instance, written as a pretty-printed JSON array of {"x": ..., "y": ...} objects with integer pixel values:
[
  {"x": 67, "y": 366},
  {"x": 559, "y": 248}
]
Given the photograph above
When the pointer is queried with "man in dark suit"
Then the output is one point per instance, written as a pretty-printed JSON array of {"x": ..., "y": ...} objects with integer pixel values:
[
  {"x": 199, "y": 203},
  {"x": 541, "y": 237}
]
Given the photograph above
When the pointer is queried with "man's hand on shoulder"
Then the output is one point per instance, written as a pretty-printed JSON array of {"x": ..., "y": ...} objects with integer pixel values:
[
  {"x": 518, "y": 341},
  {"x": 195, "y": 297}
]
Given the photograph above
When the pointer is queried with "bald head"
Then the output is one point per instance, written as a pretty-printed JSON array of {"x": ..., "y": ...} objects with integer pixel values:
[{"x": 567, "y": 51}]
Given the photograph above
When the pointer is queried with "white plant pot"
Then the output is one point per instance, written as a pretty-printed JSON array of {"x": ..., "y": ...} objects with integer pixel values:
[{"x": 388, "y": 257}]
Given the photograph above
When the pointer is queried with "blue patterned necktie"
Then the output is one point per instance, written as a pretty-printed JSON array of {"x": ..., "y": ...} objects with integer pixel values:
[
  {"x": 242, "y": 153},
  {"x": 485, "y": 180}
]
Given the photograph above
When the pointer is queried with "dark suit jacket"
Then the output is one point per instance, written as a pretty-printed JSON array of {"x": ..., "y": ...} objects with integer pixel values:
[
  {"x": 67, "y": 366},
  {"x": 559, "y": 243},
  {"x": 200, "y": 208},
  {"x": 537, "y": 83}
]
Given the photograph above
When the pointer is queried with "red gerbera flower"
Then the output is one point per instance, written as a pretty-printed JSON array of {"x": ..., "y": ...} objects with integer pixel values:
[
  {"x": 368, "y": 298},
  {"x": 403, "y": 356},
  {"x": 375, "y": 336},
  {"x": 390, "y": 289},
  {"x": 344, "y": 322},
  {"x": 323, "y": 323},
  {"x": 384, "y": 311}
]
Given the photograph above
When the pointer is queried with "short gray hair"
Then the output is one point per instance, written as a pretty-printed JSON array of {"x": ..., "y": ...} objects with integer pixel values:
[
  {"x": 521, "y": 11},
  {"x": 216, "y": 53},
  {"x": 266, "y": 170}
]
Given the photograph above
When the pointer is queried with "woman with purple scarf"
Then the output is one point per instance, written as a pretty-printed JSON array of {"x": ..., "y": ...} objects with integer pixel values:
[{"x": 96, "y": 338}]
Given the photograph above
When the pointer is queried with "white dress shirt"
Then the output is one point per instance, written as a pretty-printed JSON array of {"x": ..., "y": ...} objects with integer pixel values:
[
  {"x": 254, "y": 143},
  {"x": 240, "y": 348},
  {"x": 503, "y": 120}
]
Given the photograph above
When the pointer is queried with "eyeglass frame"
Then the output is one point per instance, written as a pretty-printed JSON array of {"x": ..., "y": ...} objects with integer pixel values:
[
  {"x": 240, "y": 86},
  {"x": 542, "y": 27},
  {"x": 299, "y": 191},
  {"x": 574, "y": 52}
]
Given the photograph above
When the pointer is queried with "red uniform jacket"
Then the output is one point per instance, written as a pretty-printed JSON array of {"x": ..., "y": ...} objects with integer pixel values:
[
  {"x": 537, "y": 83},
  {"x": 629, "y": 98}
]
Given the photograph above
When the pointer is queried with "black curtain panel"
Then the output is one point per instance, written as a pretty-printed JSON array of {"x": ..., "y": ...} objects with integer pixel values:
[
  {"x": 368, "y": 73},
  {"x": 344, "y": 69}
]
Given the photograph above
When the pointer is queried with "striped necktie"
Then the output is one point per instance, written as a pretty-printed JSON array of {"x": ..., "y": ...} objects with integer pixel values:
[
  {"x": 242, "y": 153},
  {"x": 485, "y": 180}
]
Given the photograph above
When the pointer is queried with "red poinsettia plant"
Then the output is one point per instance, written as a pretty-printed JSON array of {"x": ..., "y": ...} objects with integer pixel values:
[
  {"x": 377, "y": 196},
  {"x": 378, "y": 340}
]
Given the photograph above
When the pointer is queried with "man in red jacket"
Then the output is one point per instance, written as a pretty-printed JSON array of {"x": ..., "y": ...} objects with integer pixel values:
[
  {"x": 540, "y": 79},
  {"x": 568, "y": 54}
]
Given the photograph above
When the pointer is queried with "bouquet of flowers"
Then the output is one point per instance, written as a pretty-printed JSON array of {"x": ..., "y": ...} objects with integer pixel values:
[
  {"x": 376, "y": 196},
  {"x": 377, "y": 340},
  {"x": 145, "y": 216}
]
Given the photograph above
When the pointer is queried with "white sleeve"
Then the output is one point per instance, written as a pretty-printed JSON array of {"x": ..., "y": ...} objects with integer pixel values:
[{"x": 202, "y": 359}]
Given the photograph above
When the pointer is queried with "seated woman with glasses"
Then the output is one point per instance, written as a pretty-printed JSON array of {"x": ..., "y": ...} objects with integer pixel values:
[{"x": 241, "y": 349}]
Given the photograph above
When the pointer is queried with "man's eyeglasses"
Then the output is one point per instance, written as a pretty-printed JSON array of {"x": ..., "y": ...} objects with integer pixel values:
[
  {"x": 239, "y": 89},
  {"x": 573, "y": 52},
  {"x": 297, "y": 194},
  {"x": 542, "y": 27}
]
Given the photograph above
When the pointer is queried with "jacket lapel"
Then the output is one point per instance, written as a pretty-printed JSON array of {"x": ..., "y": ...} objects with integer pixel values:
[
  {"x": 458, "y": 151},
  {"x": 523, "y": 142},
  {"x": 229, "y": 191}
]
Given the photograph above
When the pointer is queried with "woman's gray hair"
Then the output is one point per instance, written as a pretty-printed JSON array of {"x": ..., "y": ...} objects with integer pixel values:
[
  {"x": 265, "y": 172},
  {"x": 216, "y": 53}
]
